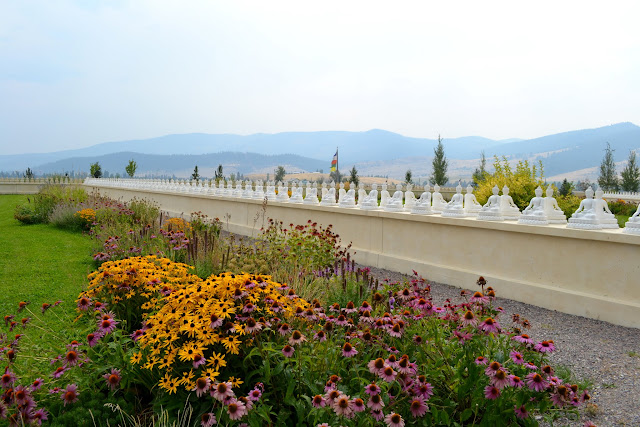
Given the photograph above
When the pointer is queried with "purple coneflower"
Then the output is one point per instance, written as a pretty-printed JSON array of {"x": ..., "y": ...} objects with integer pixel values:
[
  {"x": 375, "y": 402},
  {"x": 517, "y": 357},
  {"x": 236, "y": 410},
  {"x": 376, "y": 366},
  {"x": 491, "y": 392},
  {"x": 372, "y": 389},
  {"x": 113, "y": 378},
  {"x": 358, "y": 405},
  {"x": 388, "y": 374},
  {"x": 490, "y": 325},
  {"x": 252, "y": 326},
  {"x": 481, "y": 360},
  {"x": 93, "y": 338},
  {"x": 469, "y": 319},
  {"x": 71, "y": 358},
  {"x": 536, "y": 382},
  {"x": 70, "y": 394},
  {"x": 395, "y": 330},
  {"x": 530, "y": 366},
  {"x": 348, "y": 350},
  {"x": 394, "y": 420},
  {"x": 21, "y": 395},
  {"x": 515, "y": 381},
  {"x": 479, "y": 298},
  {"x": 524, "y": 338},
  {"x": 418, "y": 407},
  {"x": 296, "y": 338},
  {"x": 248, "y": 308},
  {"x": 545, "y": 346},
  {"x": 84, "y": 303},
  {"x": 107, "y": 325},
  {"x": 255, "y": 394},
  {"x": 216, "y": 321},
  {"x": 208, "y": 420},
  {"x": 137, "y": 334},
  {"x": 222, "y": 390},
  {"x": 521, "y": 412},
  {"x": 37, "y": 384},
  {"x": 320, "y": 336},
  {"x": 318, "y": 401},
  {"x": 39, "y": 416},
  {"x": 424, "y": 390},
  {"x": 198, "y": 360},
  {"x": 500, "y": 379},
  {"x": 203, "y": 384},
  {"x": 377, "y": 414},
  {"x": 7, "y": 379},
  {"x": 350, "y": 308},
  {"x": 492, "y": 368},
  {"x": 59, "y": 371},
  {"x": 288, "y": 351},
  {"x": 343, "y": 406},
  {"x": 284, "y": 329}
]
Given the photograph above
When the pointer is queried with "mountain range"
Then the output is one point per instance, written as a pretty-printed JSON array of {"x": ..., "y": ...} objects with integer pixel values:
[{"x": 373, "y": 152}]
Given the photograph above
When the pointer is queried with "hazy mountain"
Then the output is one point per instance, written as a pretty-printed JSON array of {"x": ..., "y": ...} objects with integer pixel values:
[{"x": 372, "y": 151}]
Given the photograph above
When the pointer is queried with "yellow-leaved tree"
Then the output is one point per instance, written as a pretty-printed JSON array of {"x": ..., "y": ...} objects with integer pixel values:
[{"x": 522, "y": 181}]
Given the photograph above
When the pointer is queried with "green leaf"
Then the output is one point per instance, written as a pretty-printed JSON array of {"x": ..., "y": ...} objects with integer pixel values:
[{"x": 466, "y": 414}]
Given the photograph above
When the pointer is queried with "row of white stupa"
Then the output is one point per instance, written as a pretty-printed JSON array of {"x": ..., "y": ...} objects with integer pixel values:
[{"x": 593, "y": 214}]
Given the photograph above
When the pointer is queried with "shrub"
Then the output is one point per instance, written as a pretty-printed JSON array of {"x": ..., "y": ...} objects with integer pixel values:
[
  {"x": 26, "y": 215},
  {"x": 522, "y": 182},
  {"x": 620, "y": 207}
]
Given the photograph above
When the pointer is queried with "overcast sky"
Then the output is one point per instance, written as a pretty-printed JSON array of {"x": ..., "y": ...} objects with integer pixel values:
[{"x": 77, "y": 73}]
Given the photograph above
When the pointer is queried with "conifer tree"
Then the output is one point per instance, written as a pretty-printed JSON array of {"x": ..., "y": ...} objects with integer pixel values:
[
  {"x": 279, "y": 174},
  {"x": 631, "y": 174},
  {"x": 480, "y": 174},
  {"x": 440, "y": 165},
  {"x": 408, "y": 176},
  {"x": 608, "y": 180},
  {"x": 195, "y": 175},
  {"x": 353, "y": 178}
]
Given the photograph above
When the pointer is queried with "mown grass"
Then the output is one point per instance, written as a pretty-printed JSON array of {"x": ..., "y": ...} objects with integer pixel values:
[{"x": 40, "y": 263}]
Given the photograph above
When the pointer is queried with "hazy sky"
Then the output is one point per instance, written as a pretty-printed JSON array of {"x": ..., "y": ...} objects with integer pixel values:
[{"x": 77, "y": 73}]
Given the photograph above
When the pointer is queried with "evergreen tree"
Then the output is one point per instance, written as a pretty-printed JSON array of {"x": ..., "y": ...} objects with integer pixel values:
[
  {"x": 219, "y": 174},
  {"x": 28, "y": 174},
  {"x": 440, "y": 165},
  {"x": 566, "y": 188},
  {"x": 408, "y": 176},
  {"x": 279, "y": 174},
  {"x": 608, "y": 180},
  {"x": 96, "y": 170},
  {"x": 131, "y": 168},
  {"x": 480, "y": 174},
  {"x": 195, "y": 175},
  {"x": 631, "y": 174},
  {"x": 353, "y": 178}
]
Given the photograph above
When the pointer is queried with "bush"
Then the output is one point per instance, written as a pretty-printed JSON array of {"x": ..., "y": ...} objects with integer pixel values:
[
  {"x": 569, "y": 204},
  {"x": 26, "y": 215},
  {"x": 67, "y": 215},
  {"x": 522, "y": 183},
  {"x": 620, "y": 207}
]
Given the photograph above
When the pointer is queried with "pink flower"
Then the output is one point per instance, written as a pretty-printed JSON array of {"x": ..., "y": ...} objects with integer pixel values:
[
  {"x": 288, "y": 351},
  {"x": 358, "y": 405},
  {"x": 490, "y": 325},
  {"x": 424, "y": 390},
  {"x": 545, "y": 347},
  {"x": 203, "y": 384},
  {"x": 318, "y": 401},
  {"x": 500, "y": 379},
  {"x": 394, "y": 420},
  {"x": 524, "y": 338},
  {"x": 481, "y": 360},
  {"x": 517, "y": 357},
  {"x": 372, "y": 389},
  {"x": 375, "y": 402},
  {"x": 492, "y": 368},
  {"x": 521, "y": 412},
  {"x": 388, "y": 374},
  {"x": 469, "y": 319},
  {"x": 418, "y": 407},
  {"x": 377, "y": 414},
  {"x": 343, "y": 406},
  {"x": 113, "y": 378},
  {"x": 491, "y": 392},
  {"x": 70, "y": 394},
  {"x": 255, "y": 394},
  {"x": 7, "y": 379},
  {"x": 515, "y": 381},
  {"x": 479, "y": 298},
  {"x": 222, "y": 390},
  {"x": 348, "y": 350},
  {"x": 236, "y": 410},
  {"x": 208, "y": 420},
  {"x": 536, "y": 382},
  {"x": 297, "y": 338},
  {"x": 376, "y": 366}
]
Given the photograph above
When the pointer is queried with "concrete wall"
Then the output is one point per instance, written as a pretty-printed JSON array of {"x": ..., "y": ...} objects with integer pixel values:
[
  {"x": 21, "y": 186},
  {"x": 594, "y": 274}
]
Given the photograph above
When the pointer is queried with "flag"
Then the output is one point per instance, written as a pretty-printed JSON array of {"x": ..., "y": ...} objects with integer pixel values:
[{"x": 334, "y": 162}]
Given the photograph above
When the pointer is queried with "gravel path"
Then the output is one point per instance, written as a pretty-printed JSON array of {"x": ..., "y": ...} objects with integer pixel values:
[{"x": 606, "y": 355}]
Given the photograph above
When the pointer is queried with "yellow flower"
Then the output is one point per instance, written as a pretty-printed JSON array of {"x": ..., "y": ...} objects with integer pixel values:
[
  {"x": 136, "y": 358},
  {"x": 211, "y": 373},
  {"x": 187, "y": 380},
  {"x": 232, "y": 344},
  {"x": 169, "y": 383},
  {"x": 188, "y": 351},
  {"x": 237, "y": 382},
  {"x": 217, "y": 361}
]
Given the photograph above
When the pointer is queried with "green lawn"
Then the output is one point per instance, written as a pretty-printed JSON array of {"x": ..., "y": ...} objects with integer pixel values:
[{"x": 39, "y": 263}]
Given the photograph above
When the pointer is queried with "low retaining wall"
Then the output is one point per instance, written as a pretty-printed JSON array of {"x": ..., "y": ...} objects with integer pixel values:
[
  {"x": 15, "y": 186},
  {"x": 595, "y": 274}
]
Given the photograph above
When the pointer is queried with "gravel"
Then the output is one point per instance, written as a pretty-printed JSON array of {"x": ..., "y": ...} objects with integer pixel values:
[{"x": 606, "y": 356}]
